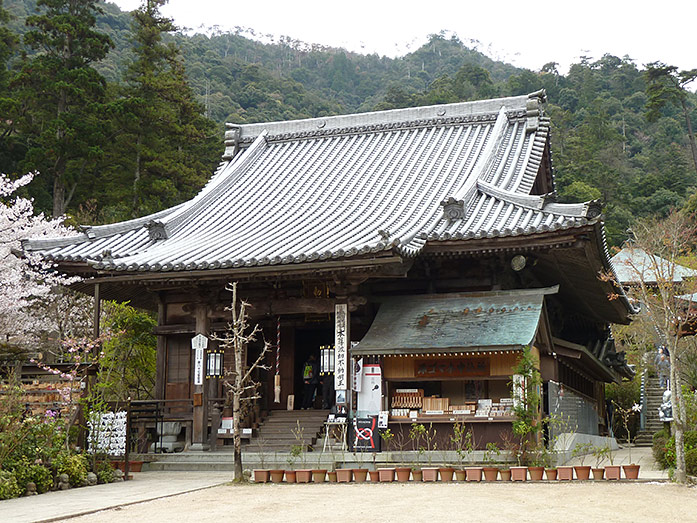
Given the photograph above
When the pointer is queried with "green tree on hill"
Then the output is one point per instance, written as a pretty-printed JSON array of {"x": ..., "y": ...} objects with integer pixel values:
[
  {"x": 62, "y": 95},
  {"x": 163, "y": 143},
  {"x": 666, "y": 85}
]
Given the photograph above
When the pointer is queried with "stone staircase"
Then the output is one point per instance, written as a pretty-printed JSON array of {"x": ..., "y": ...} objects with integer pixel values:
[
  {"x": 271, "y": 444},
  {"x": 654, "y": 398},
  {"x": 283, "y": 429}
]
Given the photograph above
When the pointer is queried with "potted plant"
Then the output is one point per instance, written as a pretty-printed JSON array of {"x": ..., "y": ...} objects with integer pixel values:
[
  {"x": 462, "y": 443},
  {"x": 302, "y": 475},
  {"x": 491, "y": 455},
  {"x": 374, "y": 473},
  {"x": 537, "y": 459},
  {"x": 551, "y": 473},
  {"x": 361, "y": 473},
  {"x": 526, "y": 386},
  {"x": 399, "y": 442},
  {"x": 430, "y": 473},
  {"x": 261, "y": 475},
  {"x": 424, "y": 440},
  {"x": 386, "y": 474},
  {"x": 612, "y": 471},
  {"x": 581, "y": 450},
  {"x": 319, "y": 474},
  {"x": 631, "y": 470},
  {"x": 293, "y": 455},
  {"x": 505, "y": 474},
  {"x": 600, "y": 452},
  {"x": 276, "y": 475}
]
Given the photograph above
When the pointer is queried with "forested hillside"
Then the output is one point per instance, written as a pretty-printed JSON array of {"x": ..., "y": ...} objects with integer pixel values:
[{"x": 619, "y": 135}]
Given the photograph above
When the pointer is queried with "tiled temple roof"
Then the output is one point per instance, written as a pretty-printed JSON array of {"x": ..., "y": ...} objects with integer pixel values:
[{"x": 344, "y": 186}]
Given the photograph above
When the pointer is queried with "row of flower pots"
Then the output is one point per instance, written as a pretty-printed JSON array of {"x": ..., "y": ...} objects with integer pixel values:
[{"x": 404, "y": 474}]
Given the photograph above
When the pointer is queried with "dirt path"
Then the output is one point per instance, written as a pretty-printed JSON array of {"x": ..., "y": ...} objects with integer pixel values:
[{"x": 607, "y": 502}]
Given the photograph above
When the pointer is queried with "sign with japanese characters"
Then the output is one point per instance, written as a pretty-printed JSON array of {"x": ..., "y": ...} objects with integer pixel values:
[
  {"x": 199, "y": 344},
  {"x": 341, "y": 368},
  {"x": 451, "y": 367}
]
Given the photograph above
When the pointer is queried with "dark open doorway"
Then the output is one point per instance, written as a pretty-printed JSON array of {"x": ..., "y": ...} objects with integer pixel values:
[{"x": 307, "y": 342}]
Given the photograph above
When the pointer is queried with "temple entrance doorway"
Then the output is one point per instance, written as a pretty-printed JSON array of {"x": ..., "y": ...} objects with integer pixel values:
[{"x": 308, "y": 341}]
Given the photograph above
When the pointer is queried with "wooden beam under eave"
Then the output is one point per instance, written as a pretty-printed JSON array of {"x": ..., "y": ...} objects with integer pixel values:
[{"x": 281, "y": 307}]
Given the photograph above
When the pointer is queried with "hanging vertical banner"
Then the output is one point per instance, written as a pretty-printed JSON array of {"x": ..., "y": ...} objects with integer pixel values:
[
  {"x": 358, "y": 375},
  {"x": 198, "y": 344},
  {"x": 341, "y": 373}
]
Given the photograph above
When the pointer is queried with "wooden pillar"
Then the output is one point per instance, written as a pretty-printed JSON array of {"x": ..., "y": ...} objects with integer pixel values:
[
  {"x": 161, "y": 357},
  {"x": 200, "y": 425}
]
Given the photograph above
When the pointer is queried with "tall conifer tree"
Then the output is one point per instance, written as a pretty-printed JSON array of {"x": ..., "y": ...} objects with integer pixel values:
[
  {"x": 170, "y": 147},
  {"x": 62, "y": 95},
  {"x": 8, "y": 103}
]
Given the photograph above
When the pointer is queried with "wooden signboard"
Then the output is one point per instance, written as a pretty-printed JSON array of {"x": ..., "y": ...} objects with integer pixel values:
[{"x": 452, "y": 367}]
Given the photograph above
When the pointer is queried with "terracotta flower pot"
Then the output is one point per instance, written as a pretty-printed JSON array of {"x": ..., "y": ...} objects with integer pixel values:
[
  {"x": 565, "y": 473},
  {"x": 374, "y": 475},
  {"x": 417, "y": 474},
  {"x": 319, "y": 475},
  {"x": 276, "y": 475},
  {"x": 536, "y": 473},
  {"x": 291, "y": 476},
  {"x": 303, "y": 475},
  {"x": 403, "y": 474},
  {"x": 490, "y": 473},
  {"x": 460, "y": 474},
  {"x": 386, "y": 475},
  {"x": 598, "y": 473},
  {"x": 631, "y": 471},
  {"x": 505, "y": 474},
  {"x": 261, "y": 476},
  {"x": 133, "y": 466},
  {"x": 359, "y": 475},
  {"x": 519, "y": 473},
  {"x": 430, "y": 474},
  {"x": 344, "y": 475},
  {"x": 332, "y": 476},
  {"x": 446, "y": 473},
  {"x": 613, "y": 472},
  {"x": 551, "y": 474},
  {"x": 583, "y": 472},
  {"x": 474, "y": 473}
]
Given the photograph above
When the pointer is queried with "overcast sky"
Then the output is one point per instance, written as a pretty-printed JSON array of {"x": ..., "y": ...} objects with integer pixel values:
[{"x": 526, "y": 34}]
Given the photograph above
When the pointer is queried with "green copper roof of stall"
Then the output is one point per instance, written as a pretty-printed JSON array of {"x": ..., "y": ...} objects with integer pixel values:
[{"x": 455, "y": 322}]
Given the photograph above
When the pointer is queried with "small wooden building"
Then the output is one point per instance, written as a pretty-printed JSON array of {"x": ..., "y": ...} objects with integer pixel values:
[{"x": 432, "y": 232}]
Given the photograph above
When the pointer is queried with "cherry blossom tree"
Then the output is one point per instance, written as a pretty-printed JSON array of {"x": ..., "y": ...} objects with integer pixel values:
[{"x": 33, "y": 297}]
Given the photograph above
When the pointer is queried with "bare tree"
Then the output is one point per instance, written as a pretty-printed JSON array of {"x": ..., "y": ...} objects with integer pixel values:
[
  {"x": 238, "y": 381},
  {"x": 666, "y": 291}
]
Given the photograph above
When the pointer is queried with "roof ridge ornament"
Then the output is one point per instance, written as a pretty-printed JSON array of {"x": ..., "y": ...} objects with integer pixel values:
[
  {"x": 594, "y": 209},
  {"x": 232, "y": 140},
  {"x": 157, "y": 230},
  {"x": 533, "y": 110},
  {"x": 453, "y": 209}
]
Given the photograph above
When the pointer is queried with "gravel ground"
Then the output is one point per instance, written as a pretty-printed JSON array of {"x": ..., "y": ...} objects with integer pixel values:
[{"x": 607, "y": 502}]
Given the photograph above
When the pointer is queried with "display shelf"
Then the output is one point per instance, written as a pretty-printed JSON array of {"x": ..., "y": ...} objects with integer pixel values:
[{"x": 452, "y": 419}]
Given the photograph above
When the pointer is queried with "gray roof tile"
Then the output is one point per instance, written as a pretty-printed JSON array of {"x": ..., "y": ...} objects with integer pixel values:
[{"x": 344, "y": 186}]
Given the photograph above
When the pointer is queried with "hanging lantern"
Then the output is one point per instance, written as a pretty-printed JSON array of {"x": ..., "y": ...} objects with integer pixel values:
[
  {"x": 214, "y": 364},
  {"x": 327, "y": 359}
]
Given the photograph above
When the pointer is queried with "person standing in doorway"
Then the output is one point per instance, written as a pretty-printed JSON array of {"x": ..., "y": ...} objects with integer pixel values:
[{"x": 310, "y": 381}]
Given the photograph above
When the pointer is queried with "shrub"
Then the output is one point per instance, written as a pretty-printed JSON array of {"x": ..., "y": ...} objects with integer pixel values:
[
  {"x": 666, "y": 456},
  {"x": 104, "y": 472},
  {"x": 74, "y": 465},
  {"x": 659, "y": 447},
  {"x": 8, "y": 485},
  {"x": 40, "y": 475},
  {"x": 691, "y": 462}
]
